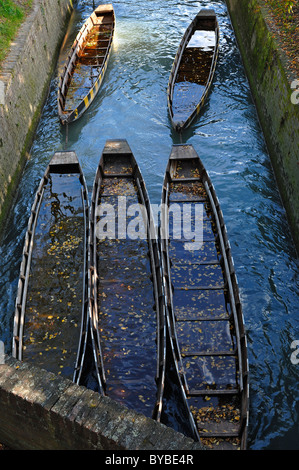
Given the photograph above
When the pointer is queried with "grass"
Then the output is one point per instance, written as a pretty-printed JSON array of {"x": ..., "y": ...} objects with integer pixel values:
[{"x": 12, "y": 13}]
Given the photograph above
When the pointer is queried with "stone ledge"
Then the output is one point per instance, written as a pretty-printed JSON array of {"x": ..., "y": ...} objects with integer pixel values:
[{"x": 42, "y": 411}]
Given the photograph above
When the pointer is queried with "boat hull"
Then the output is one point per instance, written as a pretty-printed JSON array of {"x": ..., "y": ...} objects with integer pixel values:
[
  {"x": 204, "y": 315},
  {"x": 128, "y": 317},
  {"x": 51, "y": 313},
  {"x": 85, "y": 69}
]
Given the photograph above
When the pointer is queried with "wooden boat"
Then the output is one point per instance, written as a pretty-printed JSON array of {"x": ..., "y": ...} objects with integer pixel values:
[
  {"x": 204, "y": 313},
  {"x": 51, "y": 312},
  {"x": 193, "y": 69},
  {"x": 128, "y": 318},
  {"x": 86, "y": 65}
]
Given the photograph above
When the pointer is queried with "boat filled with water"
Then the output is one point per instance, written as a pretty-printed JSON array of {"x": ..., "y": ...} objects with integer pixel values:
[{"x": 204, "y": 313}]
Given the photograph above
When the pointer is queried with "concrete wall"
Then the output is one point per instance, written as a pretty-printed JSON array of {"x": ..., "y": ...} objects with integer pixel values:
[
  {"x": 42, "y": 411},
  {"x": 24, "y": 81},
  {"x": 271, "y": 88}
]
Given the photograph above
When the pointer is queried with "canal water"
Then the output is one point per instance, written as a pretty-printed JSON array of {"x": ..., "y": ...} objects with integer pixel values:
[{"x": 132, "y": 105}]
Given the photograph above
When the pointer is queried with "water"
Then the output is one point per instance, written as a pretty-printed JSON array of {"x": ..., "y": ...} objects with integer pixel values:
[
  {"x": 53, "y": 314},
  {"x": 132, "y": 104}
]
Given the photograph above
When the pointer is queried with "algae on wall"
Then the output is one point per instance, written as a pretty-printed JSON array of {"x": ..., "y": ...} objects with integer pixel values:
[{"x": 272, "y": 92}]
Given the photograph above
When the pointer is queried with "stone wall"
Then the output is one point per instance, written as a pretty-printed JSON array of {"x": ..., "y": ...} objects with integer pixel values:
[
  {"x": 43, "y": 411},
  {"x": 24, "y": 82},
  {"x": 272, "y": 91}
]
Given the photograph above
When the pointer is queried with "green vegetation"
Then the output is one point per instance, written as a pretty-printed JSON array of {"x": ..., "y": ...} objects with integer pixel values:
[{"x": 12, "y": 13}]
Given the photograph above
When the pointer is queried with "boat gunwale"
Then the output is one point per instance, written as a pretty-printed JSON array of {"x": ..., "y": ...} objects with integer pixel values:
[
  {"x": 28, "y": 247},
  {"x": 67, "y": 116},
  {"x": 238, "y": 319},
  {"x": 180, "y": 126},
  {"x": 154, "y": 258}
]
